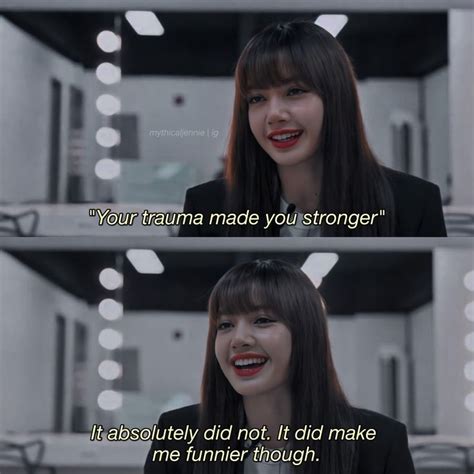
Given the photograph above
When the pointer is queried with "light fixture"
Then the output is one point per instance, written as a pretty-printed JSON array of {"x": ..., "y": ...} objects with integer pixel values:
[
  {"x": 144, "y": 23},
  {"x": 110, "y": 279},
  {"x": 469, "y": 371},
  {"x": 107, "y": 137},
  {"x": 110, "y": 370},
  {"x": 320, "y": 263},
  {"x": 145, "y": 261},
  {"x": 110, "y": 400},
  {"x": 110, "y": 339},
  {"x": 108, "y": 41},
  {"x": 108, "y": 104},
  {"x": 469, "y": 342},
  {"x": 469, "y": 402},
  {"x": 469, "y": 280},
  {"x": 469, "y": 311},
  {"x": 332, "y": 23},
  {"x": 107, "y": 169},
  {"x": 108, "y": 74},
  {"x": 110, "y": 309}
]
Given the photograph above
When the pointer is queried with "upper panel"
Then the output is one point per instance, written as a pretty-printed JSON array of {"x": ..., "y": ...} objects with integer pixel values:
[{"x": 373, "y": 139}]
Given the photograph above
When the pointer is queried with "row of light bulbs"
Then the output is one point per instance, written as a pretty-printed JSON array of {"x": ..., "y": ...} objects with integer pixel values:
[
  {"x": 144, "y": 261},
  {"x": 108, "y": 105},
  {"x": 110, "y": 339}
]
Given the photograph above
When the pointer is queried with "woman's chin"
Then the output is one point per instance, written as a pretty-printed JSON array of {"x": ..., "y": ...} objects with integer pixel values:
[
  {"x": 248, "y": 390},
  {"x": 293, "y": 160},
  {"x": 290, "y": 158}
]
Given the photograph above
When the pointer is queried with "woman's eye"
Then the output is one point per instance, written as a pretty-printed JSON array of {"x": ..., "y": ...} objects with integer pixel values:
[
  {"x": 223, "y": 325},
  {"x": 264, "y": 320},
  {"x": 254, "y": 99},
  {"x": 296, "y": 91}
]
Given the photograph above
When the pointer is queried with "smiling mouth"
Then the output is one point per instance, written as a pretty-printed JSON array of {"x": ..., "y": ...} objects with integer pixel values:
[
  {"x": 248, "y": 367},
  {"x": 285, "y": 137}
]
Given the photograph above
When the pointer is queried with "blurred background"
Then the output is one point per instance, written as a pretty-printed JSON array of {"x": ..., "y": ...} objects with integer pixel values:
[
  {"x": 117, "y": 335},
  {"x": 130, "y": 108}
]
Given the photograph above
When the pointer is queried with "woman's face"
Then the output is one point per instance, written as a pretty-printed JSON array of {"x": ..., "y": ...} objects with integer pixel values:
[
  {"x": 286, "y": 121},
  {"x": 253, "y": 351}
]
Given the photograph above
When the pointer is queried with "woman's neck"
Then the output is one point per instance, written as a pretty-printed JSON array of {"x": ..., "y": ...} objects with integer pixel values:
[
  {"x": 301, "y": 183},
  {"x": 271, "y": 410}
]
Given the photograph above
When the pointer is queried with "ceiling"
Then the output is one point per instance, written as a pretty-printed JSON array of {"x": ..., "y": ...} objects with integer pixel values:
[
  {"x": 381, "y": 282},
  {"x": 410, "y": 44}
]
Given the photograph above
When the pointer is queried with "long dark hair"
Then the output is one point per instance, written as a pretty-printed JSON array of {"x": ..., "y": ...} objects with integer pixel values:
[
  {"x": 352, "y": 181},
  {"x": 316, "y": 394}
]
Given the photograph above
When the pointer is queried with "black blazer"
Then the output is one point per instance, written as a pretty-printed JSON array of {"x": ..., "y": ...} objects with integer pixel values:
[
  {"x": 388, "y": 453},
  {"x": 418, "y": 209}
]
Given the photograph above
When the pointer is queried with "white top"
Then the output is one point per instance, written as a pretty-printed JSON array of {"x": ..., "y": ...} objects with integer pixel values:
[
  {"x": 251, "y": 467},
  {"x": 297, "y": 230}
]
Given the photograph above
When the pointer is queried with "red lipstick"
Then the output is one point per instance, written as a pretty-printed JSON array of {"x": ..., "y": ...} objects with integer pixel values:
[
  {"x": 284, "y": 143},
  {"x": 250, "y": 369}
]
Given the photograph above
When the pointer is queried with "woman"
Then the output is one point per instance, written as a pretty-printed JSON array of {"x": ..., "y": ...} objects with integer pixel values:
[
  {"x": 268, "y": 363},
  {"x": 297, "y": 142}
]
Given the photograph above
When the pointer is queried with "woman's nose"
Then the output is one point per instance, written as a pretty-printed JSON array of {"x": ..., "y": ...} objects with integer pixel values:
[
  {"x": 277, "y": 111},
  {"x": 243, "y": 336}
]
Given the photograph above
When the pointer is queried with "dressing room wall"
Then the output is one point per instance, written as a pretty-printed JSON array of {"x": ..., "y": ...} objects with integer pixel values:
[
  {"x": 27, "y": 69},
  {"x": 29, "y": 305}
]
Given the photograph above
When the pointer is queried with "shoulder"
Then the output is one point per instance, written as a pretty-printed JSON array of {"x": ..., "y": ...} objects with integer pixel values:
[
  {"x": 384, "y": 424},
  {"x": 418, "y": 207},
  {"x": 182, "y": 416},
  {"x": 388, "y": 450},
  {"x": 406, "y": 182},
  {"x": 205, "y": 199},
  {"x": 210, "y": 189}
]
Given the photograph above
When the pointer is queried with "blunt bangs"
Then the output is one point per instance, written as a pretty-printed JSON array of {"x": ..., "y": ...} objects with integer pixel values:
[
  {"x": 249, "y": 288},
  {"x": 240, "y": 296},
  {"x": 273, "y": 59}
]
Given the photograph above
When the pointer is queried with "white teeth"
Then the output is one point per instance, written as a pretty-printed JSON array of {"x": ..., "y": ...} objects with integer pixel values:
[
  {"x": 242, "y": 362},
  {"x": 285, "y": 136}
]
